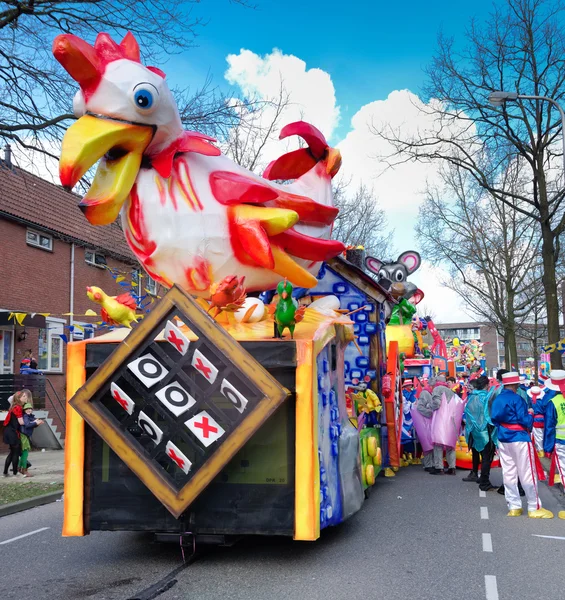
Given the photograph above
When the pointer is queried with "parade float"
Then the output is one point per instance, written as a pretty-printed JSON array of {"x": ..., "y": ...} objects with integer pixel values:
[
  {"x": 367, "y": 364},
  {"x": 468, "y": 357},
  {"x": 215, "y": 414}
]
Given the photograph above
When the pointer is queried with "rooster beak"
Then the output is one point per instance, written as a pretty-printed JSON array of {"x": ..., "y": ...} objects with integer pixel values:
[
  {"x": 333, "y": 161},
  {"x": 120, "y": 145},
  {"x": 284, "y": 295}
]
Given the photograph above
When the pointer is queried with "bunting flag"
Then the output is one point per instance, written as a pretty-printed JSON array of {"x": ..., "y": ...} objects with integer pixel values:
[
  {"x": 143, "y": 297},
  {"x": 559, "y": 346}
]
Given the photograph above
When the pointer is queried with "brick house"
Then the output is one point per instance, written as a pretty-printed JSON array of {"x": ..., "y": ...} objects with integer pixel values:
[{"x": 50, "y": 254}]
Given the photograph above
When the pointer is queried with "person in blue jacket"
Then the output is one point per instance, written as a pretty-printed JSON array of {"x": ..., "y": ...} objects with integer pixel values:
[
  {"x": 515, "y": 449},
  {"x": 554, "y": 432}
]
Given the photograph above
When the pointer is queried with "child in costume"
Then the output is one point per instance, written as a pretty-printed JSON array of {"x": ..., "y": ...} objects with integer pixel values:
[
  {"x": 514, "y": 422},
  {"x": 26, "y": 431},
  {"x": 409, "y": 397}
]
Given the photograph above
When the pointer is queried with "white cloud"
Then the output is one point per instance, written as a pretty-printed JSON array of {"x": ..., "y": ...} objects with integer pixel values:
[{"x": 312, "y": 91}]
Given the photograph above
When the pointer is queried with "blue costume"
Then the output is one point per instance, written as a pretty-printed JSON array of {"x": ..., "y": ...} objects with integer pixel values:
[
  {"x": 407, "y": 437},
  {"x": 508, "y": 407},
  {"x": 510, "y": 414}
]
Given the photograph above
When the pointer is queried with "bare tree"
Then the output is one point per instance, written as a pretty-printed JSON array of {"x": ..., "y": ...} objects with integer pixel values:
[
  {"x": 361, "y": 222},
  {"x": 490, "y": 250},
  {"x": 520, "y": 48},
  {"x": 255, "y": 125},
  {"x": 36, "y": 91}
]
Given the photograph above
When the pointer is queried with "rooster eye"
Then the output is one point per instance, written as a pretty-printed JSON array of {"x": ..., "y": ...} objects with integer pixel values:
[{"x": 143, "y": 99}]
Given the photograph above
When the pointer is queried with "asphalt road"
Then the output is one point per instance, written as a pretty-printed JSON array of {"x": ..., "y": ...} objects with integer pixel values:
[{"x": 418, "y": 537}]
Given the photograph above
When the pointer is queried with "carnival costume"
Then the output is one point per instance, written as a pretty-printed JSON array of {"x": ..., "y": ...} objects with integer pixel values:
[
  {"x": 516, "y": 451},
  {"x": 422, "y": 411},
  {"x": 539, "y": 400},
  {"x": 554, "y": 434},
  {"x": 480, "y": 434},
  {"x": 446, "y": 423}
]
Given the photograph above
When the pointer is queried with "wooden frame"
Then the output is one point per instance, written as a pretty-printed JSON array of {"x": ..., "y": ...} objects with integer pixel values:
[{"x": 177, "y": 501}]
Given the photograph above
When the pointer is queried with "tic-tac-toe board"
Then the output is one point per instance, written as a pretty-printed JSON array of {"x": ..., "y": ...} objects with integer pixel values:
[{"x": 177, "y": 410}]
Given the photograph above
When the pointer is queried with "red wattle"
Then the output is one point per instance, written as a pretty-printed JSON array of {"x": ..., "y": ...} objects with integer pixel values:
[
  {"x": 233, "y": 188},
  {"x": 308, "y": 248}
]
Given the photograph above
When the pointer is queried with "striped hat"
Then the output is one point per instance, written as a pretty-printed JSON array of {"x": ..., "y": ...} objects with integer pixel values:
[{"x": 512, "y": 378}]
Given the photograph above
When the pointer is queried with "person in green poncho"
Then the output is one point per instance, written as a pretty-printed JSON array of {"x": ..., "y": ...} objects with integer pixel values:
[{"x": 480, "y": 433}]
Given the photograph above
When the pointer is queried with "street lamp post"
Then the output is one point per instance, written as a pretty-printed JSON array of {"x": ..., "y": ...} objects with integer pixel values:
[{"x": 500, "y": 98}]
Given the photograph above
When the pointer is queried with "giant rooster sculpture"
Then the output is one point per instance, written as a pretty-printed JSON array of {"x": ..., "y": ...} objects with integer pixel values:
[{"x": 190, "y": 215}]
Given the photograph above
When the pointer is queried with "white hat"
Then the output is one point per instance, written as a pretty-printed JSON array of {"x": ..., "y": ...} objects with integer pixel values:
[
  {"x": 513, "y": 378},
  {"x": 535, "y": 389},
  {"x": 555, "y": 377}
]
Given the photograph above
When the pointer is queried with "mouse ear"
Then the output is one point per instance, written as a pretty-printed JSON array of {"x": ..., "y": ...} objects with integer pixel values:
[
  {"x": 373, "y": 264},
  {"x": 411, "y": 260}
]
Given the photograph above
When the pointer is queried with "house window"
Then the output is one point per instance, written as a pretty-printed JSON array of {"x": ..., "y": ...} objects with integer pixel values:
[
  {"x": 39, "y": 240},
  {"x": 143, "y": 283},
  {"x": 95, "y": 259},
  {"x": 151, "y": 286},
  {"x": 50, "y": 354}
]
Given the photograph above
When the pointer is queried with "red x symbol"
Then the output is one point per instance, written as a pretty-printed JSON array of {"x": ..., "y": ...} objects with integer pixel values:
[
  {"x": 177, "y": 459},
  {"x": 203, "y": 369},
  {"x": 206, "y": 427},
  {"x": 177, "y": 342},
  {"x": 122, "y": 401}
]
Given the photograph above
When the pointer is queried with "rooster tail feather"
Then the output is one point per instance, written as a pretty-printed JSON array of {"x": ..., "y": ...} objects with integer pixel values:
[{"x": 298, "y": 162}]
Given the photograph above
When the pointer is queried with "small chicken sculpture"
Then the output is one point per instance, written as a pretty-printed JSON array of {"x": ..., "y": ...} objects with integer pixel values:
[
  {"x": 228, "y": 295},
  {"x": 190, "y": 215},
  {"x": 116, "y": 310},
  {"x": 287, "y": 311}
]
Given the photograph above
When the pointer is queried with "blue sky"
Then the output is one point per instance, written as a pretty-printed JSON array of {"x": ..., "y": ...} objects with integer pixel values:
[{"x": 368, "y": 48}]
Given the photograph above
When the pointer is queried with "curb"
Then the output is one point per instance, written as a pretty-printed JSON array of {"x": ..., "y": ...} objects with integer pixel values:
[{"x": 15, "y": 507}]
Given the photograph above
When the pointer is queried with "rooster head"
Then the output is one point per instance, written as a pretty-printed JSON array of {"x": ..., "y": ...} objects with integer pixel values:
[
  {"x": 95, "y": 294},
  {"x": 125, "y": 111}
]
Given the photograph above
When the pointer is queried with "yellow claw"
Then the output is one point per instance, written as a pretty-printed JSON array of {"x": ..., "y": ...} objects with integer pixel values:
[{"x": 287, "y": 267}]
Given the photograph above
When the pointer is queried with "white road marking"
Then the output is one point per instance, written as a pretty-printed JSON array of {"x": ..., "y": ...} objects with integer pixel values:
[
  {"x": 484, "y": 512},
  {"x": 482, "y": 494},
  {"x": 487, "y": 542},
  {"x": 491, "y": 588},
  {"x": 24, "y": 535},
  {"x": 549, "y": 537}
]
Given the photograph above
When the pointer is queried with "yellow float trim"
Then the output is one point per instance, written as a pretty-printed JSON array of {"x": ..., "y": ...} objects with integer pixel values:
[
  {"x": 307, "y": 469},
  {"x": 73, "y": 519}
]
